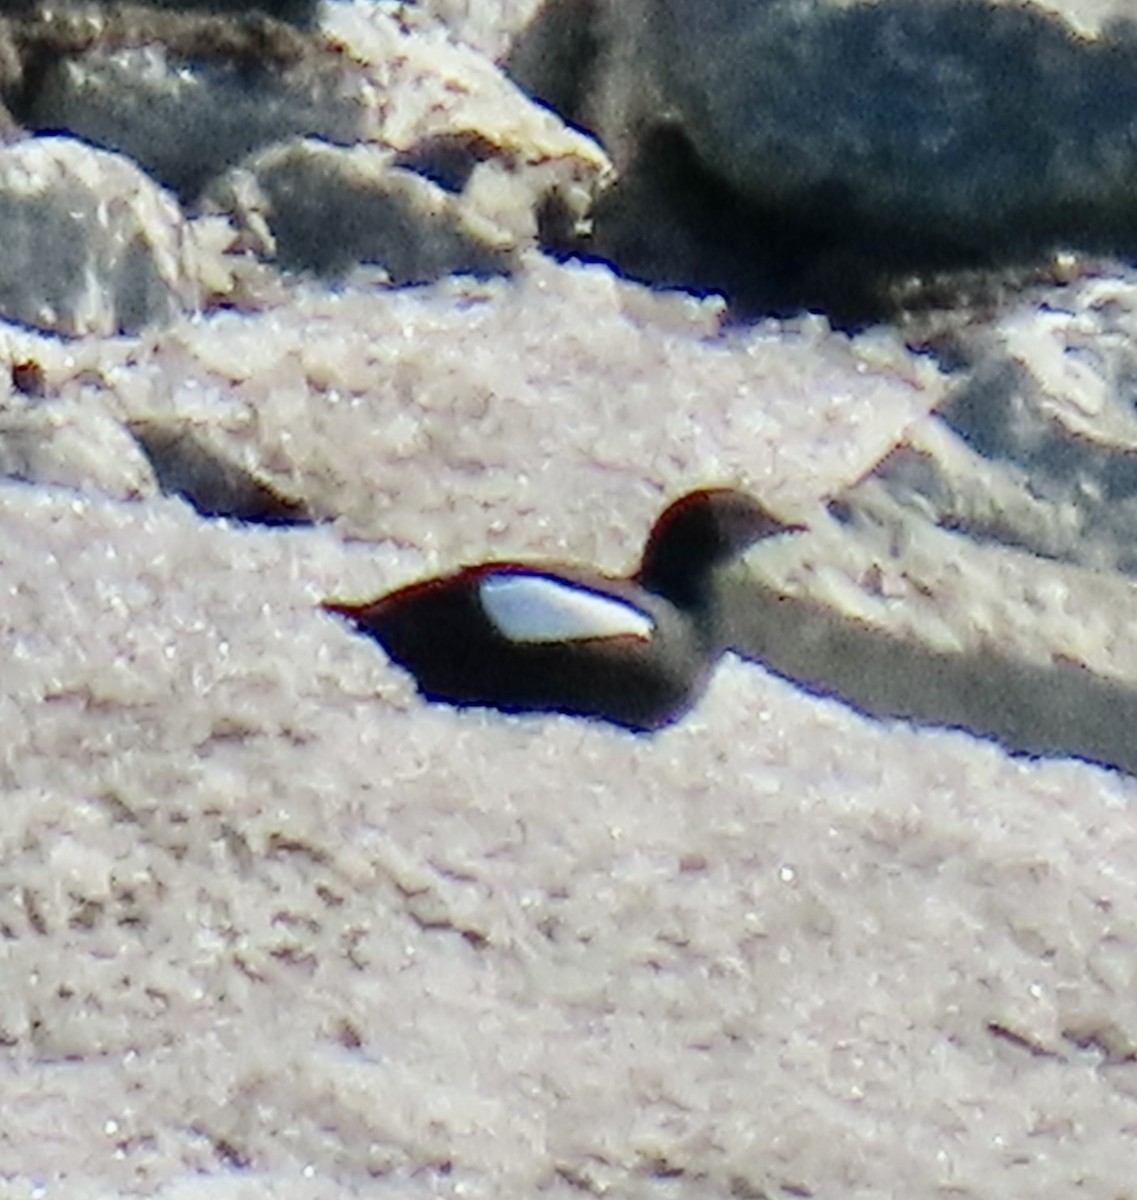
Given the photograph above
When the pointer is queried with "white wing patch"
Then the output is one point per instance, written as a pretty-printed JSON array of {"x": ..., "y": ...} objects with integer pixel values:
[{"x": 536, "y": 608}]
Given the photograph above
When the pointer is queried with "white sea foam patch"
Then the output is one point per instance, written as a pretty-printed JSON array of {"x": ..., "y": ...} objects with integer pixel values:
[{"x": 536, "y": 608}]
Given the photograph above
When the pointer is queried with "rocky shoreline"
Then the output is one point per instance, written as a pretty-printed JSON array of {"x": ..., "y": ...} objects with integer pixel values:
[{"x": 317, "y": 300}]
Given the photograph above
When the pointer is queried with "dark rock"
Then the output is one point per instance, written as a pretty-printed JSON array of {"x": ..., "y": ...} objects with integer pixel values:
[
  {"x": 448, "y": 159},
  {"x": 184, "y": 96},
  {"x": 27, "y": 378},
  {"x": 296, "y": 12},
  {"x": 187, "y": 464},
  {"x": 843, "y": 148}
]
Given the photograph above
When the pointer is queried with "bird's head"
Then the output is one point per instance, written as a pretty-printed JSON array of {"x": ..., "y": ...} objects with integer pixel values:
[{"x": 699, "y": 532}]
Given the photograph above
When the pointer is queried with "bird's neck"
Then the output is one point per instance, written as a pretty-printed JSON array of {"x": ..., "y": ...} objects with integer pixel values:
[
  {"x": 690, "y": 591},
  {"x": 683, "y": 589}
]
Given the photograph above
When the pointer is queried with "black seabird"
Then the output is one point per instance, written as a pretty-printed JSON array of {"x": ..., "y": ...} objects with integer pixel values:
[{"x": 542, "y": 638}]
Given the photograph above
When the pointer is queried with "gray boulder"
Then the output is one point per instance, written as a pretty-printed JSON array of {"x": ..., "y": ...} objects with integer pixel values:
[
  {"x": 326, "y": 208},
  {"x": 187, "y": 99},
  {"x": 91, "y": 244},
  {"x": 803, "y": 152},
  {"x": 958, "y": 120}
]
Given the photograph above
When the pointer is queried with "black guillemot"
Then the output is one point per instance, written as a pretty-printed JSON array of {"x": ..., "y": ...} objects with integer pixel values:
[{"x": 534, "y": 638}]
